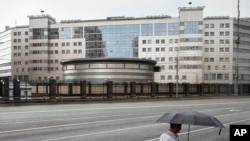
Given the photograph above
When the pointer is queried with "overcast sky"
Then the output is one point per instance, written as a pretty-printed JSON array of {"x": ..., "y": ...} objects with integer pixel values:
[{"x": 15, "y": 12}]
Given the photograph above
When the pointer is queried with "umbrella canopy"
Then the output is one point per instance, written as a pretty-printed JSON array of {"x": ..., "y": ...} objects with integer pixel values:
[{"x": 192, "y": 118}]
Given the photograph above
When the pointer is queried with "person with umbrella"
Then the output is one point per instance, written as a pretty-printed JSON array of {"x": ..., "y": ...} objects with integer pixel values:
[
  {"x": 171, "y": 135},
  {"x": 190, "y": 117}
]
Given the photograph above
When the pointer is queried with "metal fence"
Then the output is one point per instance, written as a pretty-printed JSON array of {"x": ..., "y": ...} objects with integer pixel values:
[{"x": 75, "y": 91}]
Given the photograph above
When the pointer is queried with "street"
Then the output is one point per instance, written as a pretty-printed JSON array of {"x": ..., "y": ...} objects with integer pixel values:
[{"x": 117, "y": 121}]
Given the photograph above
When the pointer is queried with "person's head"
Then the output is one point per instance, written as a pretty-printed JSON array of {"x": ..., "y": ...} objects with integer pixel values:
[{"x": 175, "y": 127}]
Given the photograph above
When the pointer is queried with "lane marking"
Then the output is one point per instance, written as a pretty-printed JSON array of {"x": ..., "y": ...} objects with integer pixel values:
[
  {"x": 158, "y": 114},
  {"x": 119, "y": 108}
]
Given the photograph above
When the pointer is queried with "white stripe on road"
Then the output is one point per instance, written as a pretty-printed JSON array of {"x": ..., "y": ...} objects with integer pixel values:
[
  {"x": 119, "y": 108},
  {"x": 91, "y": 117}
]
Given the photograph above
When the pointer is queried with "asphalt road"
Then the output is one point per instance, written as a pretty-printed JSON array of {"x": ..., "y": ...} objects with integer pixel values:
[{"x": 127, "y": 121}]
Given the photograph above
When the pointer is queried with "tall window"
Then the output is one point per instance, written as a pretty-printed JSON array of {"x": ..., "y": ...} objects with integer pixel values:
[
  {"x": 173, "y": 28},
  {"x": 146, "y": 29},
  {"x": 191, "y": 27},
  {"x": 160, "y": 29}
]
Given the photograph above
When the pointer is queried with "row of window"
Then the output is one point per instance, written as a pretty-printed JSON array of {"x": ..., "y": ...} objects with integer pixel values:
[
  {"x": 170, "y": 77},
  {"x": 19, "y": 47},
  {"x": 221, "y": 59},
  {"x": 221, "y": 33},
  {"x": 20, "y": 40},
  {"x": 79, "y": 51},
  {"x": 226, "y": 41},
  {"x": 159, "y": 41},
  {"x": 216, "y": 67},
  {"x": 221, "y": 49},
  {"x": 222, "y": 25},
  {"x": 214, "y": 76},
  {"x": 20, "y": 33}
]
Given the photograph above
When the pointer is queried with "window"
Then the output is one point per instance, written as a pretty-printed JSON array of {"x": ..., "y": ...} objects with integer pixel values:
[
  {"x": 227, "y": 25},
  {"x": 221, "y": 41},
  {"x": 26, "y": 33},
  {"x": 170, "y": 41},
  {"x": 160, "y": 29},
  {"x": 170, "y": 67},
  {"x": 162, "y": 48},
  {"x": 211, "y": 25},
  {"x": 149, "y": 42},
  {"x": 206, "y": 33},
  {"x": 222, "y": 25},
  {"x": 211, "y": 41},
  {"x": 157, "y": 41},
  {"x": 226, "y": 59},
  {"x": 149, "y": 50},
  {"x": 206, "y": 25},
  {"x": 79, "y": 43},
  {"x": 169, "y": 77},
  {"x": 221, "y": 59},
  {"x": 144, "y": 41},
  {"x": 211, "y": 59},
  {"x": 144, "y": 50},
  {"x": 191, "y": 27},
  {"x": 216, "y": 67},
  {"x": 205, "y": 59},
  {"x": 206, "y": 41},
  {"x": 162, "y": 41},
  {"x": 211, "y": 33},
  {"x": 170, "y": 58},
  {"x": 206, "y": 49},
  {"x": 176, "y": 49},
  {"x": 221, "y": 49},
  {"x": 162, "y": 77},
  {"x": 227, "y": 49},
  {"x": 227, "y": 33},
  {"x": 221, "y": 33},
  {"x": 211, "y": 49},
  {"x": 157, "y": 49},
  {"x": 170, "y": 48},
  {"x": 208, "y": 67},
  {"x": 176, "y": 41},
  {"x": 162, "y": 59},
  {"x": 227, "y": 41},
  {"x": 219, "y": 76}
]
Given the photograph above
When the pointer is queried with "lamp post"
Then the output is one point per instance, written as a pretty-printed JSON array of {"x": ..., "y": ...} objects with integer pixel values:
[
  {"x": 177, "y": 75},
  {"x": 236, "y": 76}
]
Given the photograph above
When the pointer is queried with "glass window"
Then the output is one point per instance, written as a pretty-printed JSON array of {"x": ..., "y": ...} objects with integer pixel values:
[
  {"x": 211, "y": 25},
  {"x": 38, "y": 33},
  {"x": 173, "y": 29},
  {"x": 211, "y": 41},
  {"x": 157, "y": 41},
  {"x": 191, "y": 27},
  {"x": 144, "y": 41},
  {"x": 146, "y": 29},
  {"x": 222, "y": 25},
  {"x": 227, "y": 33},
  {"x": 160, "y": 29},
  {"x": 77, "y": 32},
  {"x": 162, "y": 77},
  {"x": 206, "y": 25},
  {"x": 221, "y": 49},
  {"x": 211, "y": 49},
  {"x": 157, "y": 49},
  {"x": 65, "y": 33},
  {"x": 211, "y": 33},
  {"x": 162, "y": 48},
  {"x": 221, "y": 33}
]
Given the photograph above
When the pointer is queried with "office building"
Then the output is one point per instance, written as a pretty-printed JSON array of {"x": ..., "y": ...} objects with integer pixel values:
[{"x": 197, "y": 49}]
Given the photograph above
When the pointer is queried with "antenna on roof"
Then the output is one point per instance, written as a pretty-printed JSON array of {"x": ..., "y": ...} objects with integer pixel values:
[
  {"x": 190, "y": 3},
  {"x": 42, "y": 11}
]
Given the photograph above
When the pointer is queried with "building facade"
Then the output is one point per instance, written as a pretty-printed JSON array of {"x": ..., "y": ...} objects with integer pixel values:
[{"x": 194, "y": 48}]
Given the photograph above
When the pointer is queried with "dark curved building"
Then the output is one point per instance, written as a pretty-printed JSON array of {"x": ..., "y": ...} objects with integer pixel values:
[{"x": 109, "y": 69}]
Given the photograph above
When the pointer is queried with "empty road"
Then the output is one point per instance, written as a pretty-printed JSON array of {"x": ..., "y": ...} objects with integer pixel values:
[{"x": 124, "y": 121}]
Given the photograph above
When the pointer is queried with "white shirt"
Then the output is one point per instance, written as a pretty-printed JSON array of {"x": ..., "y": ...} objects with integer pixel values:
[{"x": 169, "y": 136}]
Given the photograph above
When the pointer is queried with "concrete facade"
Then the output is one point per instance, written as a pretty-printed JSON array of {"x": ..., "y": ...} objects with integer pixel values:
[{"x": 198, "y": 49}]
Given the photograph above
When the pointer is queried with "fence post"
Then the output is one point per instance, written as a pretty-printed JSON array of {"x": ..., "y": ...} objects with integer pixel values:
[
  {"x": 132, "y": 89},
  {"x": 52, "y": 89},
  {"x": 4, "y": 88},
  {"x": 109, "y": 89},
  {"x": 83, "y": 89},
  {"x": 202, "y": 89},
  {"x": 153, "y": 89},
  {"x": 16, "y": 89},
  {"x": 70, "y": 88},
  {"x": 171, "y": 89}
]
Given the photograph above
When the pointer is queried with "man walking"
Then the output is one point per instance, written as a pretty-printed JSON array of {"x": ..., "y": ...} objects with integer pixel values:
[{"x": 171, "y": 135}]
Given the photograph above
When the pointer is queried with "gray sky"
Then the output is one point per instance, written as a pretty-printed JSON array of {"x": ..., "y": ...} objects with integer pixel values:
[{"x": 15, "y": 12}]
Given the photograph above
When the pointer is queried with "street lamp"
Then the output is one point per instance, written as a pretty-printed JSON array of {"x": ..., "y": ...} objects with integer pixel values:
[{"x": 236, "y": 77}]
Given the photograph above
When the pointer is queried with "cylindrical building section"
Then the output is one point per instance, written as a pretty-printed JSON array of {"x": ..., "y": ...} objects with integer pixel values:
[{"x": 109, "y": 69}]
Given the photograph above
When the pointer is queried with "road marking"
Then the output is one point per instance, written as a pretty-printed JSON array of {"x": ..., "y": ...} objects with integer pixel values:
[
  {"x": 158, "y": 114},
  {"x": 119, "y": 108}
]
